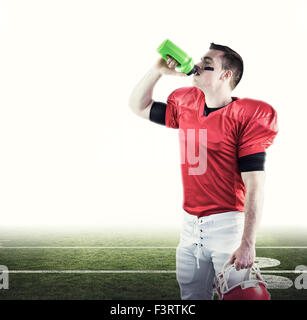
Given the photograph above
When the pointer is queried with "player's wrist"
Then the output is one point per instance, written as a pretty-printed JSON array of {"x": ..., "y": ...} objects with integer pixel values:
[{"x": 249, "y": 243}]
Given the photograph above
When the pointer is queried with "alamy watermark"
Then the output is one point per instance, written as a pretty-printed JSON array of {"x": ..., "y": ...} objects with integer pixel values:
[
  {"x": 4, "y": 277},
  {"x": 188, "y": 142},
  {"x": 301, "y": 281}
]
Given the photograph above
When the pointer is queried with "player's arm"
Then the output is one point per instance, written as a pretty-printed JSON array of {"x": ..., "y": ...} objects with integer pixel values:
[
  {"x": 254, "y": 184},
  {"x": 252, "y": 172},
  {"x": 258, "y": 133},
  {"x": 244, "y": 256},
  {"x": 140, "y": 101}
]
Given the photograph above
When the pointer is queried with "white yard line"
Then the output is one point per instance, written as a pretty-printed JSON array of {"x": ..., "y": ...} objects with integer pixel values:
[
  {"x": 283, "y": 271},
  {"x": 132, "y": 271},
  {"x": 104, "y": 247},
  {"x": 90, "y": 271},
  {"x": 83, "y": 247},
  {"x": 285, "y": 247}
]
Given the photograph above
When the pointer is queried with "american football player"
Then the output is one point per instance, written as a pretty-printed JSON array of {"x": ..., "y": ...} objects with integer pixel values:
[{"x": 223, "y": 141}]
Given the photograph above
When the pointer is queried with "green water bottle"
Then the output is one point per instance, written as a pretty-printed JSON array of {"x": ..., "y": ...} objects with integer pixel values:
[{"x": 185, "y": 63}]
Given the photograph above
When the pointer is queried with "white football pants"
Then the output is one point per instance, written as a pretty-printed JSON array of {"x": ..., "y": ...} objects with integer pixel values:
[{"x": 205, "y": 245}]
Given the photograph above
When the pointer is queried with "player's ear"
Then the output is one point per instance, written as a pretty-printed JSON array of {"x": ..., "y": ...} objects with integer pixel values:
[{"x": 227, "y": 74}]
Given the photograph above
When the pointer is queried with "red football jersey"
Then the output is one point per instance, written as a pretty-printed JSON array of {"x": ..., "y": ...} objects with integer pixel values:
[{"x": 211, "y": 145}]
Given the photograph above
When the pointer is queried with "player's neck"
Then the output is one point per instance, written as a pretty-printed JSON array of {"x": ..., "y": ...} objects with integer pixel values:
[{"x": 218, "y": 100}]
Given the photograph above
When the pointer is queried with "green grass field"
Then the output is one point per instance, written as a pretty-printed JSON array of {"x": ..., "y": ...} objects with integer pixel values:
[{"x": 87, "y": 263}]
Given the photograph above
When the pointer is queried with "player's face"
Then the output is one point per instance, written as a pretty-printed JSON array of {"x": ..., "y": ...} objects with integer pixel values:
[{"x": 210, "y": 70}]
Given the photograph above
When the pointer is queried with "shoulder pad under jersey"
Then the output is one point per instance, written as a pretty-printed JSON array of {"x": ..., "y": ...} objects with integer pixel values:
[
  {"x": 186, "y": 96},
  {"x": 254, "y": 109}
]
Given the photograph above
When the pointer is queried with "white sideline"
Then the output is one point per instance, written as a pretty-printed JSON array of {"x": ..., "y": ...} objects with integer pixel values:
[
  {"x": 82, "y": 247},
  {"x": 103, "y": 247},
  {"x": 131, "y": 271},
  {"x": 89, "y": 271}
]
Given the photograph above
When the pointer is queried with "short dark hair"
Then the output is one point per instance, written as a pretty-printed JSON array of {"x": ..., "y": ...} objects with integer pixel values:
[{"x": 231, "y": 61}]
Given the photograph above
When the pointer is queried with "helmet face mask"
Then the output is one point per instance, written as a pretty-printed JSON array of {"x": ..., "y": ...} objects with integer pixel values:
[{"x": 253, "y": 286}]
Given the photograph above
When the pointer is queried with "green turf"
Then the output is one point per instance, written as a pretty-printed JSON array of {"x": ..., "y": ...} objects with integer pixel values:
[
  {"x": 88, "y": 259},
  {"x": 120, "y": 286}
]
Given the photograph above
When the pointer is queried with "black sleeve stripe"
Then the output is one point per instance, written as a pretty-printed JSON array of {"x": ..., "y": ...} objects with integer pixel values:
[
  {"x": 252, "y": 162},
  {"x": 157, "y": 112}
]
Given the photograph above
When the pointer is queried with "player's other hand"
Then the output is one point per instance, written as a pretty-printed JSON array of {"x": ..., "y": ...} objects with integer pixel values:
[
  {"x": 243, "y": 257},
  {"x": 168, "y": 67}
]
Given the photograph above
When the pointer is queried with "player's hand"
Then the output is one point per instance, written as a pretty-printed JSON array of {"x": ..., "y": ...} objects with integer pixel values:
[
  {"x": 243, "y": 257},
  {"x": 168, "y": 67}
]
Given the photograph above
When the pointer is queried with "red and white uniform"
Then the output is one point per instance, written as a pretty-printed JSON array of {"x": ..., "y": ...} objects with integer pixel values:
[
  {"x": 213, "y": 199},
  {"x": 243, "y": 127}
]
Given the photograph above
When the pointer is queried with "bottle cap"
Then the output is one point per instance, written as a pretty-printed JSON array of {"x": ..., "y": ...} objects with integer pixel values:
[{"x": 193, "y": 71}]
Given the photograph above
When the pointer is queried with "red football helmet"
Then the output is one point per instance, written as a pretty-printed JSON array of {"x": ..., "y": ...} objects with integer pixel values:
[{"x": 248, "y": 289}]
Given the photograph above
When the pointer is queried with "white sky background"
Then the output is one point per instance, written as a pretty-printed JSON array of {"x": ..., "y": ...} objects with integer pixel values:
[{"x": 72, "y": 152}]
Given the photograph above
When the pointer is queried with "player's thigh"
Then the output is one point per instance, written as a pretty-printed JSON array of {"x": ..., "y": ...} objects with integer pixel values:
[
  {"x": 226, "y": 239},
  {"x": 186, "y": 266},
  {"x": 195, "y": 283}
]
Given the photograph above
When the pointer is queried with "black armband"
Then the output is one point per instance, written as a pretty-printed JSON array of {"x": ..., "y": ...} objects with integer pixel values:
[
  {"x": 252, "y": 162},
  {"x": 157, "y": 112}
]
